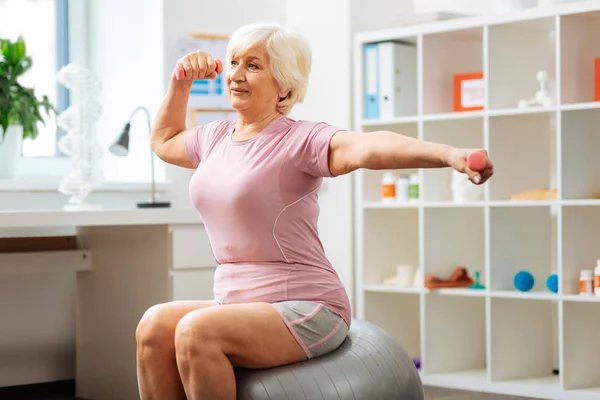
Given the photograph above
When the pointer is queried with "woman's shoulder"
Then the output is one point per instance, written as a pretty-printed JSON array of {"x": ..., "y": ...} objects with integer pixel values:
[{"x": 306, "y": 126}]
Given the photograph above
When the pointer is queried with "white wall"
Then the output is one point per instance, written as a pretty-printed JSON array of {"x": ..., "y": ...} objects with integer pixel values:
[{"x": 328, "y": 99}]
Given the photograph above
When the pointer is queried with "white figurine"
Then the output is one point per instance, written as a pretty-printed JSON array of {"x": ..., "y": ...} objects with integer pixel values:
[
  {"x": 542, "y": 97},
  {"x": 79, "y": 142}
]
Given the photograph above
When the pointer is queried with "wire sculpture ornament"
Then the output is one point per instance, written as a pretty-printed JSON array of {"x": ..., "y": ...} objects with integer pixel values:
[{"x": 79, "y": 142}]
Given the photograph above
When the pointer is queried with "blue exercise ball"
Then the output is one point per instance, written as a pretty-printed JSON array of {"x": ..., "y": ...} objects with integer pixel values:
[
  {"x": 552, "y": 283},
  {"x": 524, "y": 281}
]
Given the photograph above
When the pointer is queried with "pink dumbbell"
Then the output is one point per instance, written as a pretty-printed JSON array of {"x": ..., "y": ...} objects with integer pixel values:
[{"x": 476, "y": 161}]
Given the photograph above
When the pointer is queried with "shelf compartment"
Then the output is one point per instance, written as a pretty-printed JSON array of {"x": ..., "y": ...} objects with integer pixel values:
[
  {"x": 454, "y": 237},
  {"x": 371, "y": 179},
  {"x": 580, "y": 231},
  {"x": 523, "y": 150},
  {"x": 517, "y": 52},
  {"x": 391, "y": 238},
  {"x": 450, "y": 347},
  {"x": 399, "y": 314},
  {"x": 522, "y": 239},
  {"x": 524, "y": 347},
  {"x": 444, "y": 55},
  {"x": 390, "y": 79},
  {"x": 461, "y": 133},
  {"x": 580, "y": 162},
  {"x": 580, "y": 341},
  {"x": 577, "y": 56}
]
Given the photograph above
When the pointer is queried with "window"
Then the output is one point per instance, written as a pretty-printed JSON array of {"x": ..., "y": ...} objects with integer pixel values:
[{"x": 44, "y": 24}]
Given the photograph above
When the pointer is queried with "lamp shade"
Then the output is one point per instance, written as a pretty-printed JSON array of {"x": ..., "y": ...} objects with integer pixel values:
[{"x": 121, "y": 146}]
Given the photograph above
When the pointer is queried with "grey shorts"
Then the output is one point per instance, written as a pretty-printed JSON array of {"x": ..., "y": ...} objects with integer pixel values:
[{"x": 315, "y": 327}]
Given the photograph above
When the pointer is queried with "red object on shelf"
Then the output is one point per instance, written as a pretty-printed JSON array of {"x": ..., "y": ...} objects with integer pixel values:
[{"x": 469, "y": 92}]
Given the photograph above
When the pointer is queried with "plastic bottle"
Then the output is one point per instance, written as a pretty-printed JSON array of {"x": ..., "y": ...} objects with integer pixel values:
[
  {"x": 388, "y": 188},
  {"x": 586, "y": 282},
  {"x": 402, "y": 188},
  {"x": 413, "y": 187},
  {"x": 597, "y": 278}
]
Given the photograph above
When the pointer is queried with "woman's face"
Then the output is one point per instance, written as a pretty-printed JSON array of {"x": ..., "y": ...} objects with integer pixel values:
[{"x": 250, "y": 82}]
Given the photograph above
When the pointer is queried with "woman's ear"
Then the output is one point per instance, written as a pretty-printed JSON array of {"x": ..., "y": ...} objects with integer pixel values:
[{"x": 283, "y": 93}]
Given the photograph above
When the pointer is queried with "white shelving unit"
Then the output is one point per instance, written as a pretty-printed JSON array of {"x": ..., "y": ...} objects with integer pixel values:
[{"x": 537, "y": 343}]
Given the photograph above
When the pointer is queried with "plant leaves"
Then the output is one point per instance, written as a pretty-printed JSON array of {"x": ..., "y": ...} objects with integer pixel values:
[{"x": 19, "y": 105}]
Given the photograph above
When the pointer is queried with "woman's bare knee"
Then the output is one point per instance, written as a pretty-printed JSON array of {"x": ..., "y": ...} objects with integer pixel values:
[
  {"x": 158, "y": 324},
  {"x": 194, "y": 334}
]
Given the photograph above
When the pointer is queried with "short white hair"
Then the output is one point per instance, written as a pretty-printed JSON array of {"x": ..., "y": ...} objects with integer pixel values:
[{"x": 289, "y": 56}]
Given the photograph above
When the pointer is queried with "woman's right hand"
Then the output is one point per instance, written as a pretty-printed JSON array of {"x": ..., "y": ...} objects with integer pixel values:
[{"x": 197, "y": 65}]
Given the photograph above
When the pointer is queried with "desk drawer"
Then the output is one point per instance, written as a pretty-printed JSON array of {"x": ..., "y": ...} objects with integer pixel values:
[
  {"x": 191, "y": 247},
  {"x": 193, "y": 284}
]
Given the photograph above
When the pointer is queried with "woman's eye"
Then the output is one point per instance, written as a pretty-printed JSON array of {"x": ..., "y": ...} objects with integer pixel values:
[{"x": 253, "y": 66}]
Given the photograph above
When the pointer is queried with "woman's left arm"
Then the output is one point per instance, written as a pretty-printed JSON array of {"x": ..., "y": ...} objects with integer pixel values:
[{"x": 349, "y": 151}]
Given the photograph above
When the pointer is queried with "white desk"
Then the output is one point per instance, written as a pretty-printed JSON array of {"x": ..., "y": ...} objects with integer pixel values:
[{"x": 128, "y": 260}]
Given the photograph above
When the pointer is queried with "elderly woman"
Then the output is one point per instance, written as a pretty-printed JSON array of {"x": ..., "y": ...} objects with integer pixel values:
[{"x": 277, "y": 298}]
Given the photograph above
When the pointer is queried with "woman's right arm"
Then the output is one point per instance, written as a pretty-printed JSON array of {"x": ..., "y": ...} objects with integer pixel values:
[{"x": 167, "y": 139}]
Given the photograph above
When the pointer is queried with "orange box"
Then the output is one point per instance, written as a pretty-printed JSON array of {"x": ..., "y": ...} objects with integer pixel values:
[{"x": 469, "y": 91}]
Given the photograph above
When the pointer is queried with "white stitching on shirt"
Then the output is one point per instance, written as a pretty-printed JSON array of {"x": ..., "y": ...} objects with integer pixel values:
[{"x": 285, "y": 208}]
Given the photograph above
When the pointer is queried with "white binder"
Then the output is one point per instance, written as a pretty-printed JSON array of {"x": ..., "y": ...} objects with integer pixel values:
[{"x": 397, "y": 79}]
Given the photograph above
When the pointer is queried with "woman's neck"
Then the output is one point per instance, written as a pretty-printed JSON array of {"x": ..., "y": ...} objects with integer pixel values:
[{"x": 249, "y": 126}]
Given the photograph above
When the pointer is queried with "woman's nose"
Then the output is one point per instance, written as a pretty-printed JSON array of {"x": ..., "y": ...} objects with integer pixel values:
[{"x": 237, "y": 75}]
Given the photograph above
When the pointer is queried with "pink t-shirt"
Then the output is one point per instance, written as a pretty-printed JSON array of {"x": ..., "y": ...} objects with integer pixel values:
[{"x": 258, "y": 201}]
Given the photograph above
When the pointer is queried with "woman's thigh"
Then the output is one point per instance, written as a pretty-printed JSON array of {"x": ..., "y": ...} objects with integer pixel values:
[
  {"x": 251, "y": 335},
  {"x": 263, "y": 335}
]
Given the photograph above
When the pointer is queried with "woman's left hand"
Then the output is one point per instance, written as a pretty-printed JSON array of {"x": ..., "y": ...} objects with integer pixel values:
[{"x": 459, "y": 161}]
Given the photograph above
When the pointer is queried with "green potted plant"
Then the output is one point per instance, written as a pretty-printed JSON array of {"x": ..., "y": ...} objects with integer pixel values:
[{"x": 20, "y": 109}]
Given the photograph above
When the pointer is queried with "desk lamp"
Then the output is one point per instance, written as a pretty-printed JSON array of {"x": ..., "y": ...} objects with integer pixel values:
[{"x": 121, "y": 148}]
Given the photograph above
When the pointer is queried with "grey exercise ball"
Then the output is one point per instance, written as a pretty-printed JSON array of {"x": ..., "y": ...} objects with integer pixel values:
[{"x": 369, "y": 365}]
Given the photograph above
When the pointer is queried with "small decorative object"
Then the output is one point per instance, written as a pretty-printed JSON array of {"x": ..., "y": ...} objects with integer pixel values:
[
  {"x": 463, "y": 190},
  {"x": 413, "y": 187},
  {"x": 597, "y": 279},
  {"x": 460, "y": 278},
  {"x": 477, "y": 284},
  {"x": 388, "y": 187},
  {"x": 469, "y": 91},
  {"x": 542, "y": 96},
  {"x": 586, "y": 282},
  {"x": 552, "y": 283},
  {"x": 79, "y": 142},
  {"x": 20, "y": 109},
  {"x": 404, "y": 275},
  {"x": 539, "y": 194},
  {"x": 121, "y": 148},
  {"x": 417, "y": 361},
  {"x": 524, "y": 281},
  {"x": 402, "y": 185}
]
